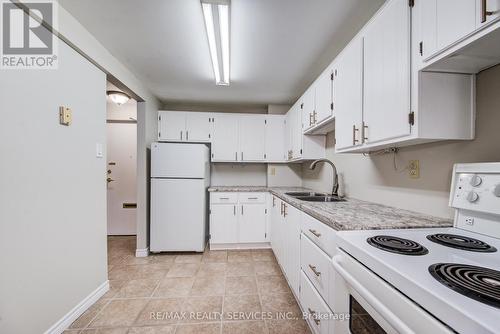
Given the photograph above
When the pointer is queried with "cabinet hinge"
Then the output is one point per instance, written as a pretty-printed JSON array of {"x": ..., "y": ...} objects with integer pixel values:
[
  {"x": 300, "y": 151},
  {"x": 331, "y": 76},
  {"x": 159, "y": 134},
  {"x": 331, "y": 106},
  {"x": 302, "y": 106},
  {"x": 212, "y": 155},
  {"x": 421, "y": 48},
  {"x": 411, "y": 3},
  {"x": 209, "y": 136},
  {"x": 159, "y": 118},
  {"x": 411, "y": 118}
]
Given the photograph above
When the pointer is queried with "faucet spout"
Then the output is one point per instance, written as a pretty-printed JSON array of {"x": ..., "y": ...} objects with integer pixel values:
[{"x": 335, "y": 175}]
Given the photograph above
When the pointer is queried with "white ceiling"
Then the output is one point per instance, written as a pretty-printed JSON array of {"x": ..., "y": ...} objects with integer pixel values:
[{"x": 277, "y": 46}]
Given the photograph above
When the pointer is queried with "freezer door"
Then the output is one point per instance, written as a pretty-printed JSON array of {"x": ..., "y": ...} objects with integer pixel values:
[
  {"x": 175, "y": 160},
  {"x": 178, "y": 215}
]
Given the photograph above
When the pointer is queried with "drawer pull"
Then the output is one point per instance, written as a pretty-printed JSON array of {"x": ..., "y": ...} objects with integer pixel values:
[
  {"x": 316, "y": 234},
  {"x": 253, "y": 198},
  {"x": 226, "y": 198},
  {"x": 313, "y": 314},
  {"x": 313, "y": 268}
]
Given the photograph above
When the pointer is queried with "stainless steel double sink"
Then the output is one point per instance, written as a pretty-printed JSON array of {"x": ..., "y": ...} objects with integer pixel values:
[{"x": 314, "y": 197}]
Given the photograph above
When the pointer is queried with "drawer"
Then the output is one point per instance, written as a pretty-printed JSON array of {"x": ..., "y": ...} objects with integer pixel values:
[
  {"x": 222, "y": 198},
  {"x": 252, "y": 197},
  {"x": 318, "y": 314},
  {"x": 321, "y": 234},
  {"x": 315, "y": 264}
]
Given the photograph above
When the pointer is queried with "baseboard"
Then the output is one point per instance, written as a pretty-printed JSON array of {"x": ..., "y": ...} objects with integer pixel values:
[
  {"x": 63, "y": 323},
  {"x": 142, "y": 252},
  {"x": 236, "y": 246}
]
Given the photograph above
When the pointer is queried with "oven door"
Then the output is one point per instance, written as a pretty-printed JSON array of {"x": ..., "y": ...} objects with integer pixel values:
[{"x": 372, "y": 306}]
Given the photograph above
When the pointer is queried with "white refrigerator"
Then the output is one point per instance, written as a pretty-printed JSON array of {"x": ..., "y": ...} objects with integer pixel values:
[{"x": 180, "y": 176}]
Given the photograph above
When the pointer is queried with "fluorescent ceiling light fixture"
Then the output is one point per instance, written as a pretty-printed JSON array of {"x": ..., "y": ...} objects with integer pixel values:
[
  {"x": 216, "y": 15},
  {"x": 118, "y": 97}
]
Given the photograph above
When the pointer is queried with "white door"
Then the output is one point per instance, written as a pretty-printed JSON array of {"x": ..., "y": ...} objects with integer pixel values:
[
  {"x": 198, "y": 127},
  {"x": 324, "y": 92},
  {"x": 491, "y": 11},
  {"x": 252, "y": 223},
  {"x": 308, "y": 108},
  {"x": 455, "y": 19},
  {"x": 178, "y": 215},
  {"x": 275, "y": 138},
  {"x": 252, "y": 138},
  {"x": 297, "y": 133},
  {"x": 122, "y": 178},
  {"x": 223, "y": 224},
  {"x": 172, "y": 126},
  {"x": 225, "y": 138},
  {"x": 348, "y": 95},
  {"x": 387, "y": 73},
  {"x": 293, "y": 246}
]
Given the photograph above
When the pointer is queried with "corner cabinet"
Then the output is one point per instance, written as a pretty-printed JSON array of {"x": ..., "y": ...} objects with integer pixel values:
[{"x": 238, "y": 220}]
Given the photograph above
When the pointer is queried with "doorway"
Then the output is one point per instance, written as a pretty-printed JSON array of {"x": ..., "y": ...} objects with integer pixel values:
[{"x": 121, "y": 178}]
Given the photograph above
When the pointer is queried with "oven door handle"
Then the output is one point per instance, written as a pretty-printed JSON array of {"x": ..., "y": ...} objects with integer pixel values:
[{"x": 390, "y": 317}]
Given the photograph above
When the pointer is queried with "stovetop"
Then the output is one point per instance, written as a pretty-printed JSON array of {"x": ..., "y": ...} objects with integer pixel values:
[{"x": 418, "y": 276}]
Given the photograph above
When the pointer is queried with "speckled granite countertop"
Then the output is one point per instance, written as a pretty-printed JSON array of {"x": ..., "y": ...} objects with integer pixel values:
[{"x": 353, "y": 214}]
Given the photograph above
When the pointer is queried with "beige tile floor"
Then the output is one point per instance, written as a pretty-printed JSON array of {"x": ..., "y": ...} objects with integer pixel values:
[{"x": 226, "y": 291}]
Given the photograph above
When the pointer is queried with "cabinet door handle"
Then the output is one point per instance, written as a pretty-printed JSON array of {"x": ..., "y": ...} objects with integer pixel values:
[
  {"x": 354, "y": 140},
  {"x": 484, "y": 11},
  {"x": 187, "y": 135},
  {"x": 364, "y": 138},
  {"x": 315, "y": 233},
  {"x": 313, "y": 268},
  {"x": 281, "y": 209},
  {"x": 313, "y": 313},
  {"x": 236, "y": 156},
  {"x": 234, "y": 210},
  {"x": 274, "y": 201},
  {"x": 314, "y": 117},
  {"x": 310, "y": 119},
  {"x": 284, "y": 210},
  {"x": 241, "y": 156},
  {"x": 226, "y": 198},
  {"x": 253, "y": 198},
  {"x": 242, "y": 210}
]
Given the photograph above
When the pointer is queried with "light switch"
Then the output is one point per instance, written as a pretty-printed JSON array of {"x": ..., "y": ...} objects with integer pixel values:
[
  {"x": 99, "y": 150},
  {"x": 65, "y": 116}
]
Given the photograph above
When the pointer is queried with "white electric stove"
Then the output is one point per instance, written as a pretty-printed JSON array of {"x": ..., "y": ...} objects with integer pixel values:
[{"x": 437, "y": 280}]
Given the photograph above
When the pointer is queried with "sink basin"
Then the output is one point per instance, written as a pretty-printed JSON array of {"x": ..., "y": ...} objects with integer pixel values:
[
  {"x": 320, "y": 198},
  {"x": 303, "y": 194}
]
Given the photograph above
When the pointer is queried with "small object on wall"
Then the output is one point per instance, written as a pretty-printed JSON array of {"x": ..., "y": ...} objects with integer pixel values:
[
  {"x": 99, "y": 150},
  {"x": 65, "y": 116},
  {"x": 414, "y": 169}
]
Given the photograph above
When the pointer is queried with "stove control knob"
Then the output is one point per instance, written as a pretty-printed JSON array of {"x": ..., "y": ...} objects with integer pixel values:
[
  {"x": 496, "y": 191},
  {"x": 476, "y": 181},
  {"x": 472, "y": 197}
]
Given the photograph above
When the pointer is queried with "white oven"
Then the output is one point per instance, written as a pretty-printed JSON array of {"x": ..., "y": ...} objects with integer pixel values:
[{"x": 374, "y": 306}]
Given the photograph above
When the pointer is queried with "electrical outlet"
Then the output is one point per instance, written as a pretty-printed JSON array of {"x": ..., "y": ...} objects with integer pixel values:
[{"x": 414, "y": 169}]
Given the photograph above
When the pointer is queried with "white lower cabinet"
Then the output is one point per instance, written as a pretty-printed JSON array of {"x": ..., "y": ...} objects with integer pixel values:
[
  {"x": 238, "y": 220},
  {"x": 315, "y": 264},
  {"x": 318, "y": 313}
]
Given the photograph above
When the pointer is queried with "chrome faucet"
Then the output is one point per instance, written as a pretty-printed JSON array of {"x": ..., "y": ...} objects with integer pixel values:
[{"x": 335, "y": 175}]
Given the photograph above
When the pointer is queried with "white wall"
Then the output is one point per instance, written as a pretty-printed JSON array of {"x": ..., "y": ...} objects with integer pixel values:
[
  {"x": 227, "y": 174},
  {"x": 52, "y": 192},
  {"x": 71, "y": 30},
  {"x": 284, "y": 175},
  {"x": 374, "y": 178}
]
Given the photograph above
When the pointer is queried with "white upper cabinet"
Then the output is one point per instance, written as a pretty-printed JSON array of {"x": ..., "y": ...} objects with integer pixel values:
[
  {"x": 252, "y": 131},
  {"x": 171, "y": 126},
  {"x": 308, "y": 108},
  {"x": 324, "y": 96},
  {"x": 225, "y": 146},
  {"x": 387, "y": 73},
  {"x": 198, "y": 127},
  {"x": 275, "y": 138},
  {"x": 348, "y": 95},
  {"x": 184, "y": 126}
]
